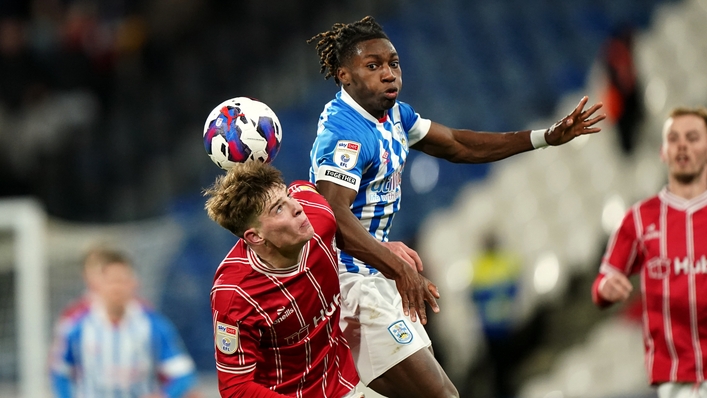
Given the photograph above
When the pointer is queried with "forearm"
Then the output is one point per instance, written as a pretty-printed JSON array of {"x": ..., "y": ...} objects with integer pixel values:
[
  {"x": 353, "y": 239},
  {"x": 249, "y": 389},
  {"x": 469, "y": 146}
]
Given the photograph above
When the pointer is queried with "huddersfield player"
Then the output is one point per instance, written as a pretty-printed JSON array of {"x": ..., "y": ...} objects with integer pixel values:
[
  {"x": 362, "y": 142},
  {"x": 117, "y": 347},
  {"x": 664, "y": 239},
  {"x": 276, "y": 297}
]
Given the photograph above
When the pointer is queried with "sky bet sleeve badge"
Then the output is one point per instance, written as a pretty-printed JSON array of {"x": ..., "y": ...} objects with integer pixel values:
[
  {"x": 226, "y": 338},
  {"x": 400, "y": 332},
  {"x": 346, "y": 154}
]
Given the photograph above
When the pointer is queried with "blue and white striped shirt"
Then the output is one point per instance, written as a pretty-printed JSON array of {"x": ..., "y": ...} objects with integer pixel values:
[
  {"x": 142, "y": 354},
  {"x": 357, "y": 151}
]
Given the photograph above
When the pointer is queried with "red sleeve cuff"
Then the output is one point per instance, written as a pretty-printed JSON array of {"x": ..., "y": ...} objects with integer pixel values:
[{"x": 596, "y": 297}]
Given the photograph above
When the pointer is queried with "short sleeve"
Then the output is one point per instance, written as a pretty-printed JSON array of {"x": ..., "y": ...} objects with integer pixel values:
[
  {"x": 416, "y": 126},
  {"x": 339, "y": 158},
  {"x": 622, "y": 249}
]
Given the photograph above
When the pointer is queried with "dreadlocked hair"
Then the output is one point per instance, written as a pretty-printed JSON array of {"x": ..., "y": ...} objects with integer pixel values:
[{"x": 337, "y": 45}]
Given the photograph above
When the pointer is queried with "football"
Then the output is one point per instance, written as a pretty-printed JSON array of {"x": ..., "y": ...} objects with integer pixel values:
[{"x": 241, "y": 130}]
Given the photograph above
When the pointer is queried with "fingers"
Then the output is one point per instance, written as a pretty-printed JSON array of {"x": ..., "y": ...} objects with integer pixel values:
[
  {"x": 406, "y": 306},
  {"x": 420, "y": 306},
  {"x": 403, "y": 251},
  {"x": 590, "y": 111},
  {"x": 416, "y": 259},
  {"x": 431, "y": 295},
  {"x": 412, "y": 258},
  {"x": 624, "y": 283},
  {"x": 578, "y": 110},
  {"x": 615, "y": 287},
  {"x": 594, "y": 120}
]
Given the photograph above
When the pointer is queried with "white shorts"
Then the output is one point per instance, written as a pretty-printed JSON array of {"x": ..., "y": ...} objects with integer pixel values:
[
  {"x": 372, "y": 319},
  {"x": 682, "y": 390}
]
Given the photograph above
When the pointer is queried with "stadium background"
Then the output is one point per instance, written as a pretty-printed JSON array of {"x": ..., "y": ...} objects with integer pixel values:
[{"x": 102, "y": 106}]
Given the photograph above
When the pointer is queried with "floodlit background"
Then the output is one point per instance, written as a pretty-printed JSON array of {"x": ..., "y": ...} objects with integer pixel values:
[{"x": 102, "y": 105}]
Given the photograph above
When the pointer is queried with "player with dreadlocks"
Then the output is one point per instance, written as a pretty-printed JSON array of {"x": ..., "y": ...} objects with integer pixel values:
[{"x": 363, "y": 139}]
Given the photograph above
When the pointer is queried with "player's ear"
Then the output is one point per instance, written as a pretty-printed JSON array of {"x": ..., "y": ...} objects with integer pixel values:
[
  {"x": 663, "y": 154},
  {"x": 343, "y": 75},
  {"x": 253, "y": 238}
]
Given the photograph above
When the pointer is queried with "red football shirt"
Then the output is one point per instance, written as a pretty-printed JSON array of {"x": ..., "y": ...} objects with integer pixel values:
[
  {"x": 664, "y": 238},
  {"x": 280, "y": 328}
]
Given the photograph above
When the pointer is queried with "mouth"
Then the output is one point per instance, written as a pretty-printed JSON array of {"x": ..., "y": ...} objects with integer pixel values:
[
  {"x": 391, "y": 93},
  {"x": 305, "y": 224}
]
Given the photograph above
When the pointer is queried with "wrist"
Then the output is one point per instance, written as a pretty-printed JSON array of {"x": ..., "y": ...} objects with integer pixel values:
[{"x": 537, "y": 138}]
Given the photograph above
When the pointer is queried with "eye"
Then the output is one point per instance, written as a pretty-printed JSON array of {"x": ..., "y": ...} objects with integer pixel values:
[
  {"x": 372, "y": 66},
  {"x": 395, "y": 64}
]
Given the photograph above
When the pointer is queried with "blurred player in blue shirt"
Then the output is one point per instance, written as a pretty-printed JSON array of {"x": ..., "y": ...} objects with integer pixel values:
[{"x": 117, "y": 347}]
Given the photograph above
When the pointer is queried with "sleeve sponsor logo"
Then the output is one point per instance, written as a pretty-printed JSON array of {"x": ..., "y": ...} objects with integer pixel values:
[
  {"x": 346, "y": 154},
  {"x": 340, "y": 176},
  {"x": 226, "y": 338}
]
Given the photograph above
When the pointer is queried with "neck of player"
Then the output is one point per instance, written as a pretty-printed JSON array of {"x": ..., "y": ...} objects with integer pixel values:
[
  {"x": 688, "y": 189},
  {"x": 278, "y": 257}
]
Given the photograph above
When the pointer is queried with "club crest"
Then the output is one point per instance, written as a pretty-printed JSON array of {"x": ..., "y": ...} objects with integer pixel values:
[{"x": 400, "y": 332}]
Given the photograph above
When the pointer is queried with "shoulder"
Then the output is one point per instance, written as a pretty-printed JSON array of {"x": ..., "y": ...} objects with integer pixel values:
[
  {"x": 316, "y": 207},
  {"x": 159, "y": 322},
  {"x": 75, "y": 309},
  {"x": 307, "y": 195},
  {"x": 234, "y": 278},
  {"x": 235, "y": 267},
  {"x": 343, "y": 123},
  {"x": 70, "y": 327}
]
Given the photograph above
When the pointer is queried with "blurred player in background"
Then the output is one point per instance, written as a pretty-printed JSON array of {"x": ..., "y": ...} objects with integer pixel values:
[
  {"x": 362, "y": 142},
  {"x": 276, "y": 297},
  {"x": 116, "y": 346},
  {"x": 664, "y": 239},
  {"x": 91, "y": 273}
]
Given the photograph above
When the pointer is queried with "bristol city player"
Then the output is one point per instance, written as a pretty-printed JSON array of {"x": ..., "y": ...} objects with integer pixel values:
[
  {"x": 664, "y": 238},
  {"x": 275, "y": 299}
]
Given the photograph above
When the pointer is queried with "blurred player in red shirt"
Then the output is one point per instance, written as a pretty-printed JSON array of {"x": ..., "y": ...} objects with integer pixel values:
[
  {"x": 276, "y": 297},
  {"x": 664, "y": 239}
]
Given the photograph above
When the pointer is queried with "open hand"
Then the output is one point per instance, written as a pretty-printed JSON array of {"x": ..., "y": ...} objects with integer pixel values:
[{"x": 577, "y": 123}]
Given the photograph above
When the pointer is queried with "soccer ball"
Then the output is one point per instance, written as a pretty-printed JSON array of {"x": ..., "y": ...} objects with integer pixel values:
[{"x": 241, "y": 130}]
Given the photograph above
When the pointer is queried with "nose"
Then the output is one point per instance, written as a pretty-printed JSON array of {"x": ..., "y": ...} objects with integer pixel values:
[
  {"x": 296, "y": 207},
  {"x": 387, "y": 74}
]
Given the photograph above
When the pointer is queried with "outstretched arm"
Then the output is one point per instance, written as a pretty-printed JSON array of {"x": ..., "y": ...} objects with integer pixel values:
[
  {"x": 353, "y": 239},
  {"x": 467, "y": 146}
]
